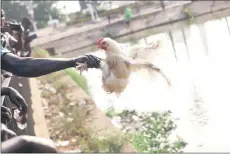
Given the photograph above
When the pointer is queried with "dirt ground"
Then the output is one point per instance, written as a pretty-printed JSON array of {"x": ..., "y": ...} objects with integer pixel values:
[{"x": 37, "y": 125}]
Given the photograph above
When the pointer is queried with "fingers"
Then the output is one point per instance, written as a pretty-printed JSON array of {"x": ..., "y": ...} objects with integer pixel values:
[
  {"x": 93, "y": 61},
  {"x": 90, "y": 60},
  {"x": 20, "y": 103},
  {"x": 81, "y": 67},
  {"x": 23, "y": 105}
]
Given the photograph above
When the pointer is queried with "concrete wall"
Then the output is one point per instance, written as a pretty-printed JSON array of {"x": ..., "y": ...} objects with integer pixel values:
[{"x": 150, "y": 23}]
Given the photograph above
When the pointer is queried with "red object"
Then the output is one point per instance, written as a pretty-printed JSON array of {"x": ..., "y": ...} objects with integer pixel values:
[{"x": 99, "y": 42}]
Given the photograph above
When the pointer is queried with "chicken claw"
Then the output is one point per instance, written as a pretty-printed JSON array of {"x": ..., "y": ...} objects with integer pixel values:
[{"x": 82, "y": 67}]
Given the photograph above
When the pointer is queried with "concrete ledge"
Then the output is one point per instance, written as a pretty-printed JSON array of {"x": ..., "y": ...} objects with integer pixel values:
[{"x": 40, "y": 127}]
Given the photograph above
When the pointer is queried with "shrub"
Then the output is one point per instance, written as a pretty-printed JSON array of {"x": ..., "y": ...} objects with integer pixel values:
[
  {"x": 110, "y": 143},
  {"x": 110, "y": 112},
  {"x": 151, "y": 131}
]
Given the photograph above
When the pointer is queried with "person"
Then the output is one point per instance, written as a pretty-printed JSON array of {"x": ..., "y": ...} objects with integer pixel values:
[
  {"x": 128, "y": 16},
  {"x": 26, "y": 23},
  {"x": 34, "y": 67},
  {"x": 2, "y": 17}
]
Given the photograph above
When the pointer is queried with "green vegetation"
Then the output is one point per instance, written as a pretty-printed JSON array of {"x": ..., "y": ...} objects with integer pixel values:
[
  {"x": 111, "y": 112},
  {"x": 150, "y": 132},
  {"x": 110, "y": 143},
  {"x": 77, "y": 78},
  {"x": 190, "y": 16}
]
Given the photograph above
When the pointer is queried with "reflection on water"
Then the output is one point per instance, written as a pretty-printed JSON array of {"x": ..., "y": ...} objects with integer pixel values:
[{"x": 199, "y": 97}]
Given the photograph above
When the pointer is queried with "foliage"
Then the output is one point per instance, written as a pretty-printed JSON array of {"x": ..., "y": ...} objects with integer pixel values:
[
  {"x": 14, "y": 10},
  {"x": 151, "y": 131},
  {"x": 78, "y": 18},
  {"x": 43, "y": 10},
  {"x": 190, "y": 16},
  {"x": 40, "y": 53},
  {"x": 77, "y": 78},
  {"x": 110, "y": 112},
  {"x": 110, "y": 143}
]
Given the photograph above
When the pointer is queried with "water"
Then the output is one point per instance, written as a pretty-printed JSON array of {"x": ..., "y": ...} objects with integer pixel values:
[{"x": 199, "y": 97}]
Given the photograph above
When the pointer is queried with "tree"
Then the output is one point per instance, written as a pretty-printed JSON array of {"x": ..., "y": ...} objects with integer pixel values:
[
  {"x": 43, "y": 10},
  {"x": 14, "y": 10},
  {"x": 83, "y": 3}
]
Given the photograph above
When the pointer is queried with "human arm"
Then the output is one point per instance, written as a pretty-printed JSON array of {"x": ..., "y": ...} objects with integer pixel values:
[{"x": 34, "y": 67}]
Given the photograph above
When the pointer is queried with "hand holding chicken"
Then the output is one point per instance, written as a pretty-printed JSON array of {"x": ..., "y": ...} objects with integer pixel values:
[{"x": 117, "y": 68}]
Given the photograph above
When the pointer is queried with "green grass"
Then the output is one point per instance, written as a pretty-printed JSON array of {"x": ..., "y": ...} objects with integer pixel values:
[{"x": 77, "y": 78}]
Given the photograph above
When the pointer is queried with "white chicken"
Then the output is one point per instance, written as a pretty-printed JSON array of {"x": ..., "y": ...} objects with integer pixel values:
[{"x": 117, "y": 68}]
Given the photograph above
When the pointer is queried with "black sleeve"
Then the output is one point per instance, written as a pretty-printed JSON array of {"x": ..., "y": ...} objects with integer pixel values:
[{"x": 33, "y": 67}]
